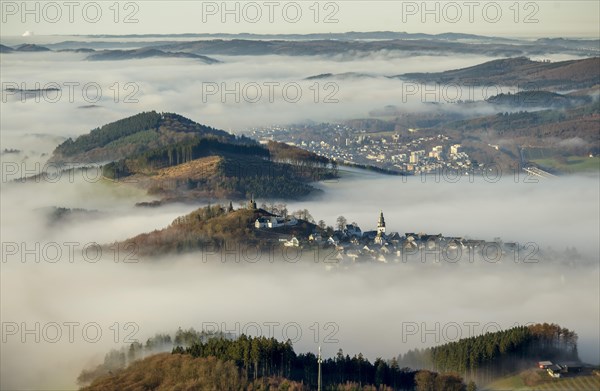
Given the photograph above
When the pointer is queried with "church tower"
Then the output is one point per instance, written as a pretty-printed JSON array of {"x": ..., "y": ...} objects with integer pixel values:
[
  {"x": 252, "y": 203},
  {"x": 379, "y": 239},
  {"x": 381, "y": 224}
]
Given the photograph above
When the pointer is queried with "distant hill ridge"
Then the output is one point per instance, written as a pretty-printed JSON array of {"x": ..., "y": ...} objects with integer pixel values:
[
  {"x": 522, "y": 72},
  {"x": 113, "y": 55},
  {"x": 538, "y": 99}
]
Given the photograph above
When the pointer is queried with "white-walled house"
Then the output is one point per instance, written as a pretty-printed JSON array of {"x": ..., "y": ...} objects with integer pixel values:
[
  {"x": 293, "y": 242},
  {"x": 315, "y": 237},
  {"x": 261, "y": 222},
  {"x": 275, "y": 222},
  {"x": 291, "y": 221}
]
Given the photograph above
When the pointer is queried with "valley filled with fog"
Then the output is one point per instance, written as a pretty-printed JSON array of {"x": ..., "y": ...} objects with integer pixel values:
[
  {"x": 361, "y": 308},
  {"x": 187, "y": 87},
  {"x": 370, "y": 304}
]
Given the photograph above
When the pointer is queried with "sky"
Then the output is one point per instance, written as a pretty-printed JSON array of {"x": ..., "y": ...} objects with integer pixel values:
[{"x": 529, "y": 19}]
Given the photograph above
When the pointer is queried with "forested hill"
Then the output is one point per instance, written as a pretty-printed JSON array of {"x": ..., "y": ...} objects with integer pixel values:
[
  {"x": 539, "y": 99},
  {"x": 486, "y": 357},
  {"x": 134, "y": 135},
  {"x": 201, "y": 360},
  {"x": 224, "y": 362},
  {"x": 214, "y": 227},
  {"x": 179, "y": 160}
]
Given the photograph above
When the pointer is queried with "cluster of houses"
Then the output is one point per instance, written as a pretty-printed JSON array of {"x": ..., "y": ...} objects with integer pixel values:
[
  {"x": 559, "y": 370},
  {"x": 275, "y": 222},
  {"x": 352, "y": 244}
]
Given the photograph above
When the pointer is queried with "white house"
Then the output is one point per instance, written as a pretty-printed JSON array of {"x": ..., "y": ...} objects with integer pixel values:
[
  {"x": 261, "y": 222},
  {"x": 291, "y": 221},
  {"x": 332, "y": 241},
  {"x": 410, "y": 245},
  {"x": 293, "y": 242},
  {"x": 275, "y": 222},
  {"x": 380, "y": 239},
  {"x": 315, "y": 237}
]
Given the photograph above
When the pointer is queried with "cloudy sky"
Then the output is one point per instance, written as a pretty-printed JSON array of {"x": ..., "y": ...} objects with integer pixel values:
[{"x": 499, "y": 18}]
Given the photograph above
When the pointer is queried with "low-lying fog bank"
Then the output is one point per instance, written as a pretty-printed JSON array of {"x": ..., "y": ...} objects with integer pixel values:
[{"x": 371, "y": 308}]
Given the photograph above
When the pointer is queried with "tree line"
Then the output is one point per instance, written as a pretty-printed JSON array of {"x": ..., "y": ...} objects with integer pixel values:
[
  {"x": 487, "y": 356},
  {"x": 101, "y": 136},
  {"x": 258, "y": 358},
  {"x": 266, "y": 357}
]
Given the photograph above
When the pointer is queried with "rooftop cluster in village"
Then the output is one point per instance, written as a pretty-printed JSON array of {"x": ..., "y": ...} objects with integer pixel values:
[
  {"x": 409, "y": 152},
  {"x": 353, "y": 244}
]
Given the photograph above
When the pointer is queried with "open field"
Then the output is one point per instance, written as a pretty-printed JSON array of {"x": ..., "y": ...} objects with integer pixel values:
[
  {"x": 570, "y": 165},
  {"x": 578, "y": 383},
  {"x": 552, "y": 159}
]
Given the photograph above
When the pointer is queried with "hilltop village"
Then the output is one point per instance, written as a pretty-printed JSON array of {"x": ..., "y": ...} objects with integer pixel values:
[{"x": 352, "y": 244}]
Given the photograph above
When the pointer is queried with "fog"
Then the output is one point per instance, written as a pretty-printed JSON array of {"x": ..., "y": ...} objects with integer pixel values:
[
  {"x": 177, "y": 85},
  {"x": 363, "y": 307},
  {"x": 270, "y": 90},
  {"x": 509, "y": 205}
]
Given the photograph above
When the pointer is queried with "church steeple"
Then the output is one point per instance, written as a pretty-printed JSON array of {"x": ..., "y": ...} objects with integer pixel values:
[{"x": 381, "y": 224}]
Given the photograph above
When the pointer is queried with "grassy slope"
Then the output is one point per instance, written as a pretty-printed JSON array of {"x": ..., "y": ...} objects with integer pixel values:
[
  {"x": 515, "y": 382},
  {"x": 573, "y": 164}
]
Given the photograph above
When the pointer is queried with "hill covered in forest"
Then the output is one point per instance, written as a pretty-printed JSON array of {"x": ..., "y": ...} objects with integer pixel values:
[
  {"x": 487, "y": 357},
  {"x": 532, "y": 99},
  {"x": 533, "y": 127},
  {"x": 229, "y": 362},
  {"x": 213, "y": 227},
  {"x": 178, "y": 159},
  {"x": 134, "y": 135}
]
